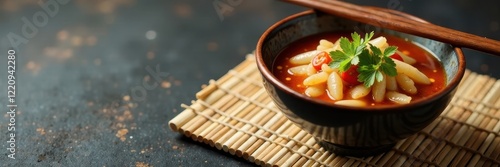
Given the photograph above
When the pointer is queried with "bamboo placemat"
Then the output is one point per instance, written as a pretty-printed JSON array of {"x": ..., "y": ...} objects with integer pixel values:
[{"x": 236, "y": 115}]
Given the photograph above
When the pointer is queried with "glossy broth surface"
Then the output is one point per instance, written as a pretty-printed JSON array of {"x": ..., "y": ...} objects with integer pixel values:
[{"x": 426, "y": 63}]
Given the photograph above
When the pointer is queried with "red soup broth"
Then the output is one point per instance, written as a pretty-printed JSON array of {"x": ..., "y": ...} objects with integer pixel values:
[{"x": 426, "y": 63}]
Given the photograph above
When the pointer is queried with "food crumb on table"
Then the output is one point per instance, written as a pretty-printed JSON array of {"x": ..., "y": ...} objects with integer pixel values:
[
  {"x": 121, "y": 134},
  {"x": 166, "y": 84},
  {"x": 33, "y": 67},
  {"x": 41, "y": 131},
  {"x": 142, "y": 164},
  {"x": 126, "y": 98}
]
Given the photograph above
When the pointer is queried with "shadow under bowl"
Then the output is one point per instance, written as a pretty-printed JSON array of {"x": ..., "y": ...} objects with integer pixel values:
[{"x": 344, "y": 130}]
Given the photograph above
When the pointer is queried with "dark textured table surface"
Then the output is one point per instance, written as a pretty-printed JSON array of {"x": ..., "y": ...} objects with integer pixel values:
[{"x": 98, "y": 81}]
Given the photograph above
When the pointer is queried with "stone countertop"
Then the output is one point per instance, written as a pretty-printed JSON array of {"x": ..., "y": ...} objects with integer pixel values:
[{"x": 98, "y": 81}]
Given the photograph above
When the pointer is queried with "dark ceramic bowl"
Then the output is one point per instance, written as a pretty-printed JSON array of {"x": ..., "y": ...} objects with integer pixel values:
[{"x": 352, "y": 131}]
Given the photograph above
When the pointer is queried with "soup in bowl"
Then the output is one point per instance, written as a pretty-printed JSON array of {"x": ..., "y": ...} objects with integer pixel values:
[{"x": 315, "y": 80}]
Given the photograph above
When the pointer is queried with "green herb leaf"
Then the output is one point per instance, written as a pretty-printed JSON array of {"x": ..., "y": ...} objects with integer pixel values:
[
  {"x": 389, "y": 67},
  {"x": 375, "y": 50},
  {"x": 389, "y": 51},
  {"x": 367, "y": 76},
  {"x": 371, "y": 65},
  {"x": 366, "y": 68},
  {"x": 369, "y": 36},
  {"x": 345, "y": 65},
  {"x": 346, "y": 46},
  {"x": 355, "y": 60},
  {"x": 379, "y": 76},
  {"x": 337, "y": 57},
  {"x": 356, "y": 39},
  {"x": 365, "y": 59}
]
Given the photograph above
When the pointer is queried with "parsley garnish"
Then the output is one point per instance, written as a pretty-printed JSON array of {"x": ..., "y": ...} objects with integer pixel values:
[{"x": 371, "y": 65}]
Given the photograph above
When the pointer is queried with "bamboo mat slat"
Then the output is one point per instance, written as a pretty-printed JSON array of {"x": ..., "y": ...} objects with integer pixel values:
[{"x": 235, "y": 114}]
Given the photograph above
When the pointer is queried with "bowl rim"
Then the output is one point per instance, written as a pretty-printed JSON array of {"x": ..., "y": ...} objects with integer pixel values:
[{"x": 268, "y": 75}]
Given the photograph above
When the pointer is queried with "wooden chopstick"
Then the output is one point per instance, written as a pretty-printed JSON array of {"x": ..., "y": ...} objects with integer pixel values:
[{"x": 384, "y": 19}]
